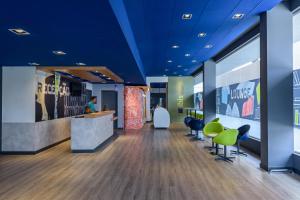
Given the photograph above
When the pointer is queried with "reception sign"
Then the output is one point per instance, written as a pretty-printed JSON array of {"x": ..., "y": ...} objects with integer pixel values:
[{"x": 240, "y": 100}]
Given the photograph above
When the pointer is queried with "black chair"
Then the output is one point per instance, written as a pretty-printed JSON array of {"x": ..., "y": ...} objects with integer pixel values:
[
  {"x": 187, "y": 122},
  {"x": 197, "y": 126},
  {"x": 243, "y": 136}
]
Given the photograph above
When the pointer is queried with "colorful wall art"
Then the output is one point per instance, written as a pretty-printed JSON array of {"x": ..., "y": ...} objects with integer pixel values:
[
  {"x": 240, "y": 100},
  {"x": 133, "y": 97}
]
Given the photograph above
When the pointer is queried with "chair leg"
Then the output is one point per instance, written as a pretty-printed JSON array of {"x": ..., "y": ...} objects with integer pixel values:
[
  {"x": 238, "y": 151},
  {"x": 197, "y": 138},
  {"x": 224, "y": 157},
  {"x": 189, "y": 134}
]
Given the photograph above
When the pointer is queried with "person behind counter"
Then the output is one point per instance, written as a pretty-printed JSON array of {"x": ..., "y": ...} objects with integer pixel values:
[{"x": 91, "y": 104}]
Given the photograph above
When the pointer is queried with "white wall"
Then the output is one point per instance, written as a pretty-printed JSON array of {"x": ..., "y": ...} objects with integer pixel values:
[
  {"x": 149, "y": 80},
  {"x": 97, "y": 88},
  {"x": 18, "y": 94}
]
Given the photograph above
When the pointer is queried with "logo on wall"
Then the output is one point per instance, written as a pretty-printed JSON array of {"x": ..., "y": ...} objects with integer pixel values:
[{"x": 240, "y": 100}]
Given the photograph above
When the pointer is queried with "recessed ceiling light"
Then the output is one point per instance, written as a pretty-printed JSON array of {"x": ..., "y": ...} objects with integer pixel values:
[
  {"x": 33, "y": 64},
  {"x": 185, "y": 70},
  {"x": 59, "y": 53},
  {"x": 19, "y": 31},
  {"x": 179, "y": 66},
  {"x": 187, "y": 55},
  {"x": 208, "y": 46},
  {"x": 175, "y": 46},
  {"x": 202, "y": 34},
  {"x": 187, "y": 16},
  {"x": 166, "y": 70},
  {"x": 170, "y": 61},
  {"x": 238, "y": 16},
  {"x": 194, "y": 61},
  {"x": 108, "y": 78},
  {"x": 80, "y": 64}
]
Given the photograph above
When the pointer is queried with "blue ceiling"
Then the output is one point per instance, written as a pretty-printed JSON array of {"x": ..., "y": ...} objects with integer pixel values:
[
  {"x": 88, "y": 31},
  {"x": 131, "y": 37}
]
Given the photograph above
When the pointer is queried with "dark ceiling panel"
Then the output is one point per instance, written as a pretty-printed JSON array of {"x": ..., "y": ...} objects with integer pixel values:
[{"x": 87, "y": 31}]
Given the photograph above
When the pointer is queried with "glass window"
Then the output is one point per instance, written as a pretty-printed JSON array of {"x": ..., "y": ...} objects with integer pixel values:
[
  {"x": 198, "y": 93},
  {"x": 296, "y": 59},
  {"x": 238, "y": 88}
]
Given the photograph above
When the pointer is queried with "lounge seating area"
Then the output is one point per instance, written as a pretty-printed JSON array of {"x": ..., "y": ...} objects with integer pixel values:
[{"x": 221, "y": 137}]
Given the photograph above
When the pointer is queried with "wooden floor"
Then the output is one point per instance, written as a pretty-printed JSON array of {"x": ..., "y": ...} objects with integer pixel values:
[{"x": 145, "y": 164}]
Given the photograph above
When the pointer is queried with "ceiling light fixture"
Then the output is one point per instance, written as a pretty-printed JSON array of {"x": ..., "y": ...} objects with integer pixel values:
[
  {"x": 187, "y": 55},
  {"x": 59, "y": 53},
  {"x": 179, "y": 66},
  {"x": 175, "y": 46},
  {"x": 80, "y": 64},
  {"x": 170, "y": 61},
  {"x": 187, "y": 16},
  {"x": 33, "y": 64},
  {"x": 19, "y": 31},
  {"x": 185, "y": 70},
  {"x": 202, "y": 34},
  {"x": 238, "y": 16},
  {"x": 208, "y": 46},
  {"x": 194, "y": 61},
  {"x": 166, "y": 70}
]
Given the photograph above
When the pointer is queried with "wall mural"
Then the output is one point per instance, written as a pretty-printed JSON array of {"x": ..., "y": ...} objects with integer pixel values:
[
  {"x": 296, "y": 100},
  {"x": 133, "y": 107},
  {"x": 198, "y": 101},
  {"x": 53, "y": 97},
  {"x": 240, "y": 100}
]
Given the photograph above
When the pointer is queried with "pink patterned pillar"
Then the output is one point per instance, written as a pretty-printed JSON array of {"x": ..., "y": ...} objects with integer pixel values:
[{"x": 133, "y": 107}]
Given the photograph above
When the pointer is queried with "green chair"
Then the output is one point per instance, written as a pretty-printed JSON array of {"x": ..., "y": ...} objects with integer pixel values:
[
  {"x": 226, "y": 138},
  {"x": 215, "y": 120},
  {"x": 211, "y": 130}
]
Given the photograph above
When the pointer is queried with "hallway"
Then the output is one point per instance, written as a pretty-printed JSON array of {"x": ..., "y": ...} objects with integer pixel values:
[{"x": 146, "y": 164}]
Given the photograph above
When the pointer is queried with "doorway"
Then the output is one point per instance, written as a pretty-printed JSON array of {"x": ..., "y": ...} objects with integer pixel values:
[{"x": 109, "y": 101}]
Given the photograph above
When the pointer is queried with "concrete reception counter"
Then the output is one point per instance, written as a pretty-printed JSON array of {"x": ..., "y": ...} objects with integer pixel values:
[{"x": 88, "y": 132}]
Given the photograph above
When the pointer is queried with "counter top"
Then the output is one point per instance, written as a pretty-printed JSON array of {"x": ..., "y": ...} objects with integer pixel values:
[{"x": 97, "y": 114}]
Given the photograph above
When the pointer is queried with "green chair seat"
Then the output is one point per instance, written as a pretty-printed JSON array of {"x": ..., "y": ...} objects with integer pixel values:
[
  {"x": 227, "y": 137},
  {"x": 212, "y": 127}
]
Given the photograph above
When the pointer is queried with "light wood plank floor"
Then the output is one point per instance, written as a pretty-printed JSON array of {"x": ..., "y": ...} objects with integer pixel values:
[{"x": 145, "y": 164}]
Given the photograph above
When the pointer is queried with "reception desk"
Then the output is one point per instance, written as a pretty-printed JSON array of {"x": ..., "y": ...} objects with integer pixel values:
[{"x": 88, "y": 132}]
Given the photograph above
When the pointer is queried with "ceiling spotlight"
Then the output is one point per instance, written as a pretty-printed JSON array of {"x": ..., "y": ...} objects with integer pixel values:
[
  {"x": 19, "y": 31},
  {"x": 208, "y": 46},
  {"x": 108, "y": 78},
  {"x": 80, "y": 64},
  {"x": 33, "y": 64},
  {"x": 59, "y": 53},
  {"x": 202, "y": 34},
  {"x": 175, "y": 46},
  {"x": 238, "y": 16},
  {"x": 194, "y": 61},
  {"x": 166, "y": 70},
  {"x": 179, "y": 66},
  {"x": 170, "y": 61},
  {"x": 187, "y": 55},
  {"x": 187, "y": 16}
]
